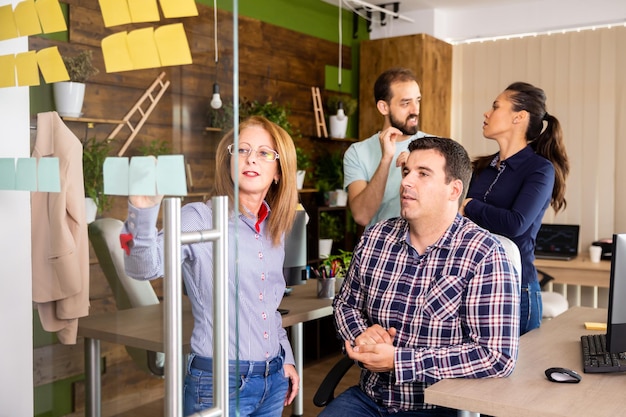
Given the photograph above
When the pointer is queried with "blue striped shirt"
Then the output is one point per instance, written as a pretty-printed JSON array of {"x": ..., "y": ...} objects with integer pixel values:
[
  {"x": 455, "y": 308},
  {"x": 261, "y": 281}
]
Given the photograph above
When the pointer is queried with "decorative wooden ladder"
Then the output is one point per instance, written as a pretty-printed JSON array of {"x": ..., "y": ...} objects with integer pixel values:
[
  {"x": 151, "y": 97},
  {"x": 320, "y": 121}
]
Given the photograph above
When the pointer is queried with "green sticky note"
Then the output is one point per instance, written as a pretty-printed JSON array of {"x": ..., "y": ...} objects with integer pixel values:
[
  {"x": 171, "y": 178},
  {"x": 26, "y": 177},
  {"x": 115, "y": 171},
  {"x": 48, "y": 175},
  {"x": 7, "y": 173},
  {"x": 142, "y": 176}
]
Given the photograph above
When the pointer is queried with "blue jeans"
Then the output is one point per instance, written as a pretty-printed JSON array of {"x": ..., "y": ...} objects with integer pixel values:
[
  {"x": 354, "y": 402},
  {"x": 251, "y": 394},
  {"x": 531, "y": 308}
]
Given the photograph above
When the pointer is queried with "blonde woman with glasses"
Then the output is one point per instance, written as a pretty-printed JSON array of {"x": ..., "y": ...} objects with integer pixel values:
[{"x": 266, "y": 177}]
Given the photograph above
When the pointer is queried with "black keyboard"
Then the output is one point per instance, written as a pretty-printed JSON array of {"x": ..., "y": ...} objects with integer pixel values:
[{"x": 595, "y": 357}]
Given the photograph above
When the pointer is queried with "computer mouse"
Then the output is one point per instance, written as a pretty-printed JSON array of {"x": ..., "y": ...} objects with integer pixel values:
[{"x": 563, "y": 375}]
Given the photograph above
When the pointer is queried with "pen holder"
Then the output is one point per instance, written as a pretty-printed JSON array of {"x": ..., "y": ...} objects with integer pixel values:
[{"x": 326, "y": 288}]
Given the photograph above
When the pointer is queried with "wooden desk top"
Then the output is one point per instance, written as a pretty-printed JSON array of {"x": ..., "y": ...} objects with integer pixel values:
[
  {"x": 527, "y": 392},
  {"x": 578, "y": 271},
  {"x": 142, "y": 327},
  {"x": 580, "y": 262}
]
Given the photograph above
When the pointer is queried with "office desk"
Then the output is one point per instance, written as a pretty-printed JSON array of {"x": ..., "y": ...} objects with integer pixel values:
[
  {"x": 527, "y": 392},
  {"x": 142, "y": 328},
  {"x": 578, "y": 273}
]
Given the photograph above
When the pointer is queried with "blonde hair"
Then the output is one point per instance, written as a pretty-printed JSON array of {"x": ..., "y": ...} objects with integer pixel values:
[{"x": 282, "y": 197}]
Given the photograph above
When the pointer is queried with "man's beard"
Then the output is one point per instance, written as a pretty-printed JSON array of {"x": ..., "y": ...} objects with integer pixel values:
[{"x": 402, "y": 127}]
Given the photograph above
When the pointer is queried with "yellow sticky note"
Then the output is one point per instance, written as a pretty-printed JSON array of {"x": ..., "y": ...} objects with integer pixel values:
[
  {"x": 173, "y": 46},
  {"x": 50, "y": 16},
  {"x": 27, "y": 71},
  {"x": 143, "y": 50},
  {"x": 8, "y": 30},
  {"x": 51, "y": 65},
  {"x": 115, "y": 12},
  {"x": 116, "y": 54},
  {"x": 143, "y": 11},
  {"x": 590, "y": 325},
  {"x": 178, "y": 8},
  {"x": 7, "y": 71},
  {"x": 26, "y": 18}
]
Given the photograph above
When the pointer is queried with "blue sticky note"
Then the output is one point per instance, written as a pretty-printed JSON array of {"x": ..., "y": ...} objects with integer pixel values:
[
  {"x": 115, "y": 171},
  {"x": 142, "y": 176},
  {"x": 7, "y": 173},
  {"x": 48, "y": 175},
  {"x": 171, "y": 179},
  {"x": 26, "y": 177}
]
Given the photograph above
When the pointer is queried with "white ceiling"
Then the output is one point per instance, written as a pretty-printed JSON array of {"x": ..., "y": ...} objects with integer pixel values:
[{"x": 459, "y": 20}]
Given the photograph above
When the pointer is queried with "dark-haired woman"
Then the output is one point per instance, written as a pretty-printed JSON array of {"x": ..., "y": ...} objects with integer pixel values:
[{"x": 511, "y": 190}]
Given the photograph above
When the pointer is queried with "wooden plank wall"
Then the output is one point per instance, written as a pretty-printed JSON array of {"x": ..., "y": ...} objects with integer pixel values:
[
  {"x": 431, "y": 61},
  {"x": 275, "y": 63}
]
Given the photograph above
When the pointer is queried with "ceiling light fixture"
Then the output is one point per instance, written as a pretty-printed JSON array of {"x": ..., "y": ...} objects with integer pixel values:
[{"x": 216, "y": 100}]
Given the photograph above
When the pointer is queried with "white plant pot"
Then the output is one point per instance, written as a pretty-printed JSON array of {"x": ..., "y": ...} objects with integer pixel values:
[
  {"x": 68, "y": 98},
  {"x": 338, "y": 127},
  {"x": 325, "y": 247},
  {"x": 300, "y": 174},
  {"x": 91, "y": 209},
  {"x": 337, "y": 198}
]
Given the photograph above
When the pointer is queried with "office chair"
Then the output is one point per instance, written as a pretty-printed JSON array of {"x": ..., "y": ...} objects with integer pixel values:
[
  {"x": 553, "y": 302},
  {"x": 326, "y": 391},
  {"x": 104, "y": 235}
]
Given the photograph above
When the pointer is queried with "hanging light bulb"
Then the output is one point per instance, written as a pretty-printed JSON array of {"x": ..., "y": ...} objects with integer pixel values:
[
  {"x": 216, "y": 101},
  {"x": 341, "y": 114}
]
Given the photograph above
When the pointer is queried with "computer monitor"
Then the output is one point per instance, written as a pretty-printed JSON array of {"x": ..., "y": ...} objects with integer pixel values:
[
  {"x": 294, "y": 267},
  {"x": 616, "y": 318}
]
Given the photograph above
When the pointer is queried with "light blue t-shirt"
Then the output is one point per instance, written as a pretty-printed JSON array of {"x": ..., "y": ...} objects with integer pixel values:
[{"x": 360, "y": 162}]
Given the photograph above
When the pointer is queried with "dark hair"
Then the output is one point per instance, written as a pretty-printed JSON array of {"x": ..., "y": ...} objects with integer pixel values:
[
  {"x": 547, "y": 143},
  {"x": 382, "y": 86},
  {"x": 458, "y": 164}
]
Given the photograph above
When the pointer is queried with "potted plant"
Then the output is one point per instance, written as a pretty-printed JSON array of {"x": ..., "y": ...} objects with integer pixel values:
[
  {"x": 94, "y": 153},
  {"x": 340, "y": 108},
  {"x": 69, "y": 95},
  {"x": 329, "y": 176},
  {"x": 331, "y": 229},
  {"x": 303, "y": 162}
]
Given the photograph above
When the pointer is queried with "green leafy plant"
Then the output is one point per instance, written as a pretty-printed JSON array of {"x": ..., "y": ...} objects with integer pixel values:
[
  {"x": 80, "y": 67},
  {"x": 337, "y": 264},
  {"x": 331, "y": 226},
  {"x": 156, "y": 147},
  {"x": 94, "y": 154},
  {"x": 350, "y": 104},
  {"x": 303, "y": 160},
  {"x": 223, "y": 117},
  {"x": 329, "y": 172}
]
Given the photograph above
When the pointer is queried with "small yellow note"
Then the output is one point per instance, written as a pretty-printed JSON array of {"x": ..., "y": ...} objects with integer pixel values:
[
  {"x": 590, "y": 325},
  {"x": 115, "y": 52},
  {"x": 143, "y": 11},
  {"x": 173, "y": 45},
  {"x": 115, "y": 12},
  {"x": 27, "y": 71},
  {"x": 51, "y": 65},
  {"x": 143, "y": 50},
  {"x": 50, "y": 16},
  {"x": 7, "y": 71},
  {"x": 8, "y": 30},
  {"x": 178, "y": 8},
  {"x": 26, "y": 18}
]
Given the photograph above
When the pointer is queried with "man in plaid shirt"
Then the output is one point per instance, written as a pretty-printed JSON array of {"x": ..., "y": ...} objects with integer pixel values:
[{"x": 428, "y": 295}]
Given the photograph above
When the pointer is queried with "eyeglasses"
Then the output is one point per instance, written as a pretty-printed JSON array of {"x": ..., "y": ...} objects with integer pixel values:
[{"x": 245, "y": 150}]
